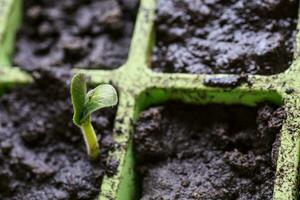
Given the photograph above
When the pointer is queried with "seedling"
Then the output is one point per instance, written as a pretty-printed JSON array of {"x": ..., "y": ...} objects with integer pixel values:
[{"x": 85, "y": 103}]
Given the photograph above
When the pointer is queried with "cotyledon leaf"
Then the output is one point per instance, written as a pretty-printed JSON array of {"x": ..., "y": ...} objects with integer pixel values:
[
  {"x": 102, "y": 96},
  {"x": 78, "y": 96},
  {"x": 84, "y": 104}
]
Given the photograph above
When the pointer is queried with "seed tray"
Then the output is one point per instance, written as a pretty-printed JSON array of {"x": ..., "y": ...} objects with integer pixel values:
[{"x": 139, "y": 87}]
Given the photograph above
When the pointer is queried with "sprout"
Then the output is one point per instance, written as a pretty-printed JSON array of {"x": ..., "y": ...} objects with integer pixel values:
[{"x": 85, "y": 103}]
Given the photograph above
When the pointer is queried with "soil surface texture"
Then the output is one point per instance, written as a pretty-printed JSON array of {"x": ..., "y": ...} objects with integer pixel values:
[
  {"x": 75, "y": 33},
  {"x": 224, "y": 36},
  {"x": 207, "y": 152},
  {"x": 42, "y": 154}
]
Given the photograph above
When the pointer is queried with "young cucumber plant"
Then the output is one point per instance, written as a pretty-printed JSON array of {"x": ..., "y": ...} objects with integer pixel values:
[{"x": 85, "y": 103}]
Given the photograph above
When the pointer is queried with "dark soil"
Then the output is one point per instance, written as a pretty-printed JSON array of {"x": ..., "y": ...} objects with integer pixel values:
[
  {"x": 207, "y": 152},
  {"x": 225, "y": 36},
  {"x": 227, "y": 81},
  {"x": 75, "y": 33},
  {"x": 42, "y": 154}
]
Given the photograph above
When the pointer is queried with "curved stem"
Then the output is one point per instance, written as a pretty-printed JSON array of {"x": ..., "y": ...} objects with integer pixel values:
[{"x": 90, "y": 139}]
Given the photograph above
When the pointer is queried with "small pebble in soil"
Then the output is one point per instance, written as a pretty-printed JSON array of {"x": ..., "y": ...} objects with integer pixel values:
[{"x": 226, "y": 81}]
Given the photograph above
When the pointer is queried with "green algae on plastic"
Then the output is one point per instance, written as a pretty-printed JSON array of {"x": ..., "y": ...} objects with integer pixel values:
[{"x": 139, "y": 87}]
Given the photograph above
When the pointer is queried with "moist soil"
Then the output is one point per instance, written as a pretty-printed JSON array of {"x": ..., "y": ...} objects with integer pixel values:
[
  {"x": 42, "y": 154},
  {"x": 224, "y": 36},
  {"x": 207, "y": 152},
  {"x": 75, "y": 33}
]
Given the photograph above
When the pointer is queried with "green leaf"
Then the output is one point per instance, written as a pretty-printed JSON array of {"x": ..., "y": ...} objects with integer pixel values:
[
  {"x": 102, "y": 96},
  {"x": 78, "y": 96}
]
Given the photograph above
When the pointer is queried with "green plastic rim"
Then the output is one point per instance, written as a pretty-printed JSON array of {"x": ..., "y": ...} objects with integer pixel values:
[{"x": 140, "y": 87}]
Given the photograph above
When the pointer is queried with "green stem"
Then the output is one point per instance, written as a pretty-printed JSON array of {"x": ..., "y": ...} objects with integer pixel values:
[{"x": 90, "y": 139}]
